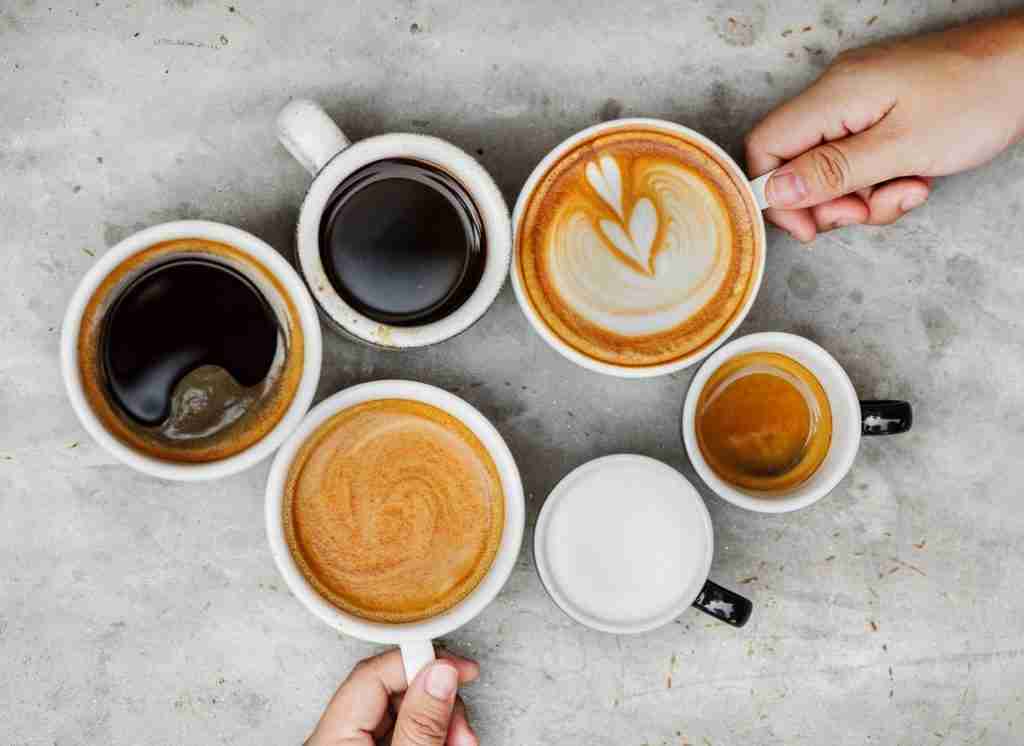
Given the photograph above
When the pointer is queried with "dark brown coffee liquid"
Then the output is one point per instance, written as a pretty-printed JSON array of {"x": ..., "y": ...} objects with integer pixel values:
[
  {"x": 402, "y": 242},
  {"x": 175, "y": 318}
]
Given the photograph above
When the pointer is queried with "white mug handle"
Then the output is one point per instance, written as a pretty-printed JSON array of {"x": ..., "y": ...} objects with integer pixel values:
[
  {"x": 309, "y": 134},
  {"x": 416, "y": 655},
  {"x": 757, "y": 186}
]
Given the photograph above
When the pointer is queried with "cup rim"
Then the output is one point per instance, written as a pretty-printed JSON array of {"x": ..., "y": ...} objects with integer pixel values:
[
  {"x": 508, "y": 550},
  {"x": 461, "y": 166},
  {"x": 768, "y": 342},
  {"x": 563, "y": 347},
  {"x": 545, "y": 574},
  {"x": 261, "y": 252}
]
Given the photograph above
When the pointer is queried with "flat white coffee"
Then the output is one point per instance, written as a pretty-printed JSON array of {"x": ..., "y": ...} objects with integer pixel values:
[{"x": 624, "y": 543}]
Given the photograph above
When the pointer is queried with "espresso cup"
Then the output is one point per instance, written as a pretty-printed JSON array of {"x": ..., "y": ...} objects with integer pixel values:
[
  {"x": 850, "y": 419},
  {"x": 637, "y": 263},
  {"x": 624, "y": 545},
  {"x": 413, "y": 637},
  {"x": 203, "y": 437},
  {"x": 312, "y": 137}
]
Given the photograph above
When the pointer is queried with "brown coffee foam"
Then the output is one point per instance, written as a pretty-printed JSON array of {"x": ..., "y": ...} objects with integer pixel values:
[
  {"x": 244, "y": 432},
  {"x": 566, "y": 181},
  {"x": 393, "y": 510}
]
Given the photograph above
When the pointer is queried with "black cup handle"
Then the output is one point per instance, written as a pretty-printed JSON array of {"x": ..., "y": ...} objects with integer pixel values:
[
  {"x": 723, "y": 604},
  {"x": 885, "y": 417}
]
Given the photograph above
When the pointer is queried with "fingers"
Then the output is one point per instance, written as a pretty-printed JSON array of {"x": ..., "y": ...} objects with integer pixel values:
[
  {"x": 889, "y": 202},
  {"x": 460, "y": 733},
  {"x": 797, "y": 223},
  {"x": 359, "y": 710},
  {"x": 426, "y": 710},
  {"x": 840, "y": 212}
]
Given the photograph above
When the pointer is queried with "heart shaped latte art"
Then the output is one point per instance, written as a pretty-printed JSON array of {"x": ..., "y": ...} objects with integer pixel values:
[{"x": 644, "y": 249}]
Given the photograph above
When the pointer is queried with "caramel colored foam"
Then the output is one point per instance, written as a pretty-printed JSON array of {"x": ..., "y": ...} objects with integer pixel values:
[
  {"x": 256, "y": 411},
  {"x": 763, "y": 422},
  {"x": 393, "y": 510},
  {"x": 638, "y": 247}
]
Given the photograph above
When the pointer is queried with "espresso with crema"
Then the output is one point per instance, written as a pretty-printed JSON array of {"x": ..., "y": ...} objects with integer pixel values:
[
  {"x": 638, "y": 247},
  {"x": 393, "y": 510},
  {"x": 764, "y": 422},
  {"x": 190, "y": 351}
]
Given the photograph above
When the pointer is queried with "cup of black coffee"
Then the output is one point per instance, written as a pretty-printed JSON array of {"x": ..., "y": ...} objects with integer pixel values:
[
  {"x": 403, "y": 239},
  {"x": 190, "y": 350}
]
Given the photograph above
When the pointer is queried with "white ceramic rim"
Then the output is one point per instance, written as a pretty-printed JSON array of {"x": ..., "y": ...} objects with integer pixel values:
[
  {"x": 511, "y": 538},
  {"x": 541, "y": 562},
  {"x": 470, "y": 174},
  {"x": 600, "y": 366},
  {"x": 265, "y": 255},
  {"x": 846, "y": 421}
]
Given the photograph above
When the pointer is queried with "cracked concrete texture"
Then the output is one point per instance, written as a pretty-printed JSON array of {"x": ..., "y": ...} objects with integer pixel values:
[{"x": 138, "y": 610}]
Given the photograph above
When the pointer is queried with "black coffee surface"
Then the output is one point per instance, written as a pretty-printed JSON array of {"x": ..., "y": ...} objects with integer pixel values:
[
  {"x": 402, "y": 242},
  {"x": 176, "y": 318}
]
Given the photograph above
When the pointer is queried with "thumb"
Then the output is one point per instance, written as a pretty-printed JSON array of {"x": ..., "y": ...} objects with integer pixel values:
[
  {"x": 836, "y": 168},
  {"x": 427, "y": 707}
]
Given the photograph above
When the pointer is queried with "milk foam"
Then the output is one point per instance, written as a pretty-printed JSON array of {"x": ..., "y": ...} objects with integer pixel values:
[
  {"x": 624, "y": 542},
  {"x": 645, "y": 250}
]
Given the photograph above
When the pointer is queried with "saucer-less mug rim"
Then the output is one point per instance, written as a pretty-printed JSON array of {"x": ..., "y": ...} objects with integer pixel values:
[
  {"x": 754, "y": 191},
  {"x": 263, "y": 253},
  {"x": 512, "y": 534}
]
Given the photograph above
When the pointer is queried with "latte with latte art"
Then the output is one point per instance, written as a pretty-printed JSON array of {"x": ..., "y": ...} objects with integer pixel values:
[{"x": 638, "y": 247}]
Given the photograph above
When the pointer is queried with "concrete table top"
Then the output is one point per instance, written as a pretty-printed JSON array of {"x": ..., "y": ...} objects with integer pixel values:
[{"x": 139, "y": 611}]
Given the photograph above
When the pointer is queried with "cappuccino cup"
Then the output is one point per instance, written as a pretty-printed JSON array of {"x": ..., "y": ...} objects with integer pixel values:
[
  {"x": 403, "y": 239},
  {"x": 791, "y": 422},
  {"x": 395, "y": 514},
  {"x": 639, "y": 247},
  {"x": 190, "y": 350}
]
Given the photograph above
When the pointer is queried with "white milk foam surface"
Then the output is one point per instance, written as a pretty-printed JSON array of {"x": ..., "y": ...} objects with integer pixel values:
[{"x": 625, "y": 541}]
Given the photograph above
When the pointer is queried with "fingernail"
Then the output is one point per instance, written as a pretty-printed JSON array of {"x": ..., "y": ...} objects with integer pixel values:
[
  {"x": 786, "y": 188},
  {"x": 911, "y": 201},
  {"x": 442, "y": 680}
]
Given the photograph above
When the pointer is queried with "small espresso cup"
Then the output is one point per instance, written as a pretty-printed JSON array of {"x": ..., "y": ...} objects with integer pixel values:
[
  {"x": 851, "y": 418},
  {"x": 312, "y": 137},
  {"x": 624, "y": 545},
  {"x": 751, "y": 194},
  {"x": 249, "y": 437},
  {"x": 414, "y": 638}
]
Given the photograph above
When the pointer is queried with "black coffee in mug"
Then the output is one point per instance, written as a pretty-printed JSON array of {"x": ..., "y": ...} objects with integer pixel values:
[{"x": 402, "y": 242}]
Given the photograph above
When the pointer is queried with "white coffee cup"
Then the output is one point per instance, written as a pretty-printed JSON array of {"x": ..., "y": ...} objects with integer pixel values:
[
  {"x": 414, "y": 638},
  {"x": 851, "y": 418},
  {"x": 756, "y": 192},
  {"x": 313, "y": 138},
  {"x": 262, "y": 253},
  {"x": 624, "y": 545}
]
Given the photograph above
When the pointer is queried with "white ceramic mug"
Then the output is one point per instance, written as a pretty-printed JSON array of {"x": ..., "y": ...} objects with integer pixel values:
[
  {"x": 262, "y": 253},
  {"x": 624, "y": 545},
  {"x": 851, "y": 418},
  {"x": 754, "y": 188},
  {"x": 414, "y": 638},
  {"x": 313, "y": 138}
]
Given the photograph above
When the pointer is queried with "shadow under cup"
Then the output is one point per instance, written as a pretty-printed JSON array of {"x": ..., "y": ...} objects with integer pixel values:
[{"x": 190, "y": 351}]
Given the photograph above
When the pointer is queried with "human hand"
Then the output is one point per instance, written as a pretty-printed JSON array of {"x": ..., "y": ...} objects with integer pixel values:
[
  {"x": 374, "y": 705},
  {"x": 864, "y": 141}
]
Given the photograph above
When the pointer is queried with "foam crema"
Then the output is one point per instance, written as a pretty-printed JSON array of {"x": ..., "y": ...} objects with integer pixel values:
[
  {"x": 638, "y": 247},
  {"x": 393, "y": 510}
]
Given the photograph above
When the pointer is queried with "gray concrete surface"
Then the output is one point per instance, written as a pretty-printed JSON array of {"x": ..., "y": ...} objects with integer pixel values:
[{"x": 139, "y": 611}]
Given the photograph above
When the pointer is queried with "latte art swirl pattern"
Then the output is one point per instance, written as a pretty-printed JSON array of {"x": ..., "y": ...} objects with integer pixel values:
[
  {"x": 637, "y": 248},
  {"x": 393, "y": 511}
]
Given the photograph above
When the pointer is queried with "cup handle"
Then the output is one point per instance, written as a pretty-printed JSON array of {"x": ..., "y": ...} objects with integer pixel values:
[
  {"x": 757, "y": 186},
  {"x": 723, "y": 604},
  {"x": 309, "y": 134},
  {"x": 885, "y": 417},
  {"x": 416, "y": 655}
]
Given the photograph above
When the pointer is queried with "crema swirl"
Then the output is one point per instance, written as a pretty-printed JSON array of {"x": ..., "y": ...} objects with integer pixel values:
[
  {"x": 393, "y": 510},
  {"x": 637, "y": 247}
]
